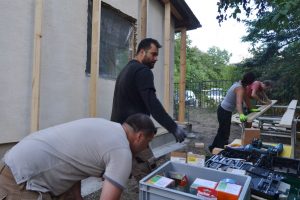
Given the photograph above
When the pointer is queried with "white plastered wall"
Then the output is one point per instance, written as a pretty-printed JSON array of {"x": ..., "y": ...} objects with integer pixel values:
[
  {"x": 16, "y": 47},
  {"x": 64, "y": 87}
]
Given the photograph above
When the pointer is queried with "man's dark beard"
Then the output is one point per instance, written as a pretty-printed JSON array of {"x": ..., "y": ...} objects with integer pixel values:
[{"x": 149, "y": 64}]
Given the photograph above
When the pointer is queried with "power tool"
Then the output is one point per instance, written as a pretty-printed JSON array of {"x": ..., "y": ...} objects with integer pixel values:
[
  {"x": 274, "y": 150},
  {"x": 259, "y": 147}
]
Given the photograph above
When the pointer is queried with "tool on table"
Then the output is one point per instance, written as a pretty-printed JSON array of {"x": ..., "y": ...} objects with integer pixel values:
[
  {"x": 259, "y": 147},
  {"x": 274, "y": 150}
]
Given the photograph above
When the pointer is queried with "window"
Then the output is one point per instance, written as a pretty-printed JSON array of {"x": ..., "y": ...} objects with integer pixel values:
[{"x": 116, "y": 40}]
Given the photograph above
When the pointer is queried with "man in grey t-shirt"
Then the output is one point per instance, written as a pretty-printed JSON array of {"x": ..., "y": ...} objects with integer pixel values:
[{"x": 53, "y": 161}]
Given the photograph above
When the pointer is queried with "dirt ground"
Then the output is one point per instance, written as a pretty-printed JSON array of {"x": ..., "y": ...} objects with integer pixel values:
[{"x": 204, "y": 126}]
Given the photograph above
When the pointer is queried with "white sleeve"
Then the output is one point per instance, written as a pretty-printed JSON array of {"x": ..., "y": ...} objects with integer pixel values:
[{"x": 118, "y": 167}]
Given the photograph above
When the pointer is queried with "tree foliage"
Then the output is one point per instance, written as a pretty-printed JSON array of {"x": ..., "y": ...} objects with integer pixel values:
[
  {"x": 203, "y": 66},
  {"x": 275, "y": 38}
]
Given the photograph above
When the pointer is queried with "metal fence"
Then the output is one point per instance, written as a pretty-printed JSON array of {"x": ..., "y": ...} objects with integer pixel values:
[
  {"x": 204, "y": 94},
  {"x": 208, "y": 94}
]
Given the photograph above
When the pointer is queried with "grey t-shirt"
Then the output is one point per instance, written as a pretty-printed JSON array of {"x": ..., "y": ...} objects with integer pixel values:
[
  {"x": 54, "y": 159},
  {"x": 229, "y": 102}
]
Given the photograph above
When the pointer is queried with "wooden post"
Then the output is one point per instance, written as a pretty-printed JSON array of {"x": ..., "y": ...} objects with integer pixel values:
[
  {"x": 167, "y": 48},
  {"x": 181, "y": 115},
  {"x": 95, "y": 52},
  {"x": 35, "y": 99},
  {"x": 143, "y": 19}
]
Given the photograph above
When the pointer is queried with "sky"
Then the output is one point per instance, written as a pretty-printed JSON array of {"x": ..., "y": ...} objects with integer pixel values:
[{"x": 227, "y": 37}]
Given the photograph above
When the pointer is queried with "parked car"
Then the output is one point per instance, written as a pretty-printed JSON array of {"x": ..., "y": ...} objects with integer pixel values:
[
  {"x": 190, "y": 98},
  {"x": 216, "y": 94}
]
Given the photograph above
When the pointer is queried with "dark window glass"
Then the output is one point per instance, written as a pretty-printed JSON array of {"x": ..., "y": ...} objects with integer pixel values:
[{"x": 116, "y": 41}]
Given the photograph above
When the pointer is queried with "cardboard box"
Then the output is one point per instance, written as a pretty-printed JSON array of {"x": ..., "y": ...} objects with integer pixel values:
[
  {"x": 181, "y": 180},
  {"x": 228, "y": 191},
  {"x": 207, "y": 194},
  {"x": 198, "y": 182},
  {"x": 161, "y": 181},
  {"x": 195, "y": 159},
  {"x": 179, "y": 157},
  {"x": 249, "y": 134}
]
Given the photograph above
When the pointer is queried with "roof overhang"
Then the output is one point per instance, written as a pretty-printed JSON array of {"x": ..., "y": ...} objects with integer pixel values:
[{"x": 183, "y": 15}]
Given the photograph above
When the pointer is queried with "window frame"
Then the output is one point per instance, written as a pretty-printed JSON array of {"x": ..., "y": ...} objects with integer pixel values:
[{"x": 132, "y": 46}]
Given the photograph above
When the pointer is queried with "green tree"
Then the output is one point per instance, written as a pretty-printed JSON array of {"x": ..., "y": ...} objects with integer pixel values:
[
  {"x": 275, "y": 36},
  {"x": 203, "y": 66}
]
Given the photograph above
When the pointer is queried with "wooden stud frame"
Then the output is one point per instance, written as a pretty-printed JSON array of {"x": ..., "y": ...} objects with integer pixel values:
[
  {"x": 143, "y": 18},
  {"x": 35, "y": 99},
  {"x": 167, "y": 46},
  {"x": 95, "y": 52},
  {"x": 181, "y": 115}
]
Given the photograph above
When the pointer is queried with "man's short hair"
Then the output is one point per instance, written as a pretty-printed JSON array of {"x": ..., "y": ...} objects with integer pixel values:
[
  {"x": 268, "y": 83},
  {"x": 146, "y": 44},
  {"x": 141, "y": 122},
  {"x": 248, "y": 78}
]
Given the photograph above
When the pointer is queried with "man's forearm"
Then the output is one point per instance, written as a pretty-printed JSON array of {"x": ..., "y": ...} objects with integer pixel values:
[{"x": 157, "y": 110}]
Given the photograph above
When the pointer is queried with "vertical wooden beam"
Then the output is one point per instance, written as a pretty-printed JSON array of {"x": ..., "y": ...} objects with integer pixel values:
[
  {"x": 35, "y": 99},
  {"x": 95, "y": 52},
  {"x": 143, "y": 19},
  {"x": 181, "y": 115},
  {"x": 167, "y": 47}
]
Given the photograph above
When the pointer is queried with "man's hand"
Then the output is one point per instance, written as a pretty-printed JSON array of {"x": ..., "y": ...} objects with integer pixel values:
[
  {"x": 243, "y": 118},
  {"x": 180, "y": 134},
  {"x": 254, "y": 110}
]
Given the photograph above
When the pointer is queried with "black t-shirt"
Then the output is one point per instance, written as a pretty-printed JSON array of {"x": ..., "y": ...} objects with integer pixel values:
[{"x": 135, "y": 93}]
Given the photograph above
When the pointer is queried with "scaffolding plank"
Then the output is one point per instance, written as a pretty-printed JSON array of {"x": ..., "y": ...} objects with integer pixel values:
[{"x": 287, "y": 118}]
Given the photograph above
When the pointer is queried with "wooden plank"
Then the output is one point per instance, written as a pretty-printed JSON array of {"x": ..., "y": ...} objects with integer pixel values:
[
  {"x": 143, "y": 19},
  {"x": 35, "y": 99},
  {"x": 287, "y": 118},
  {"x": 167, "y": 47},
  {"x": 181, "y": 114},
  {"x": 262, "y": 109},
  {"x": 95, "y": 52},
  {"x": 293, "y": 104}
]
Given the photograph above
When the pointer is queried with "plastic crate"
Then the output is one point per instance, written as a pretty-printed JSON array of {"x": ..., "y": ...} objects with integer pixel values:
[{"x": 151, "y": 192}]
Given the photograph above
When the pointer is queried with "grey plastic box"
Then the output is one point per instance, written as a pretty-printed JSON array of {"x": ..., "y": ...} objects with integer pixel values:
[{"x": 151, "y": 192}]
